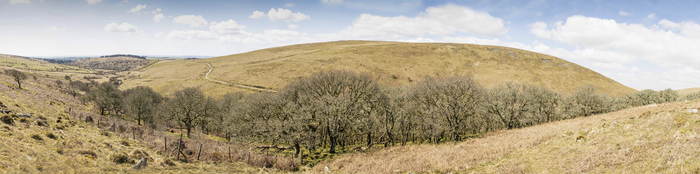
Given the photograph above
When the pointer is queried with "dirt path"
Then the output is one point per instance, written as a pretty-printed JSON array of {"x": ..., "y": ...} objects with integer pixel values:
[{"x": 237, "y": 85}]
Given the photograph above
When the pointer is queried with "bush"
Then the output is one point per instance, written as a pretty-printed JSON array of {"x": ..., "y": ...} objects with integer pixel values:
[
  {"x": 36, "y": 137},
  {"x": 120, "y": 158},
  {"x": 7, "y": 120}
]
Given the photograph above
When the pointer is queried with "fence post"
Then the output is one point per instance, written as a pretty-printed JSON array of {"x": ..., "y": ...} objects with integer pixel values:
[
  {"x": 165, "y": 140},
  {"x": 200, "y": 151},
  {"x": 178, "y": 147},
  {"x": 229, "y": 152}
]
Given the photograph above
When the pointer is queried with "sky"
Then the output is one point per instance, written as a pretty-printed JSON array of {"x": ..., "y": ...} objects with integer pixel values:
[{"x": 646, "y": 44}]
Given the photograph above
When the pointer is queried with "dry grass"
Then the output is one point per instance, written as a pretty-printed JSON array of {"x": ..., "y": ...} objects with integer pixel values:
[
  {"x": 37, "y": 65},
  {"x": 69, "y": 145},
  {"x": 393, "y": 63},
  {"x": 655, "y": 138},
  {"x": 684, "y": 92}
]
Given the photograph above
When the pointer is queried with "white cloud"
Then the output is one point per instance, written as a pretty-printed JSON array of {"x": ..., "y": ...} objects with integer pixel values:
[
  {"x": 674, "y": 47},
  {"x": 192, "y": 34},
  {"x": 651, "y": 16},
  {"x": 229, "y": 27},
  {"x": 138, "y": 8},
  {"x": 93, "y": 2},
  {"x": 19, "y": 2},
  {"x": 623, "y": 13},
  {"x": 192, "y": 20},
  {"x": 292, "y": 26},
  {"x": 158, "y": 17},
  {"x": 257, "y": 15},
  {"x": 155, "y": 11},
  {"x": 286, "y": 15},
  {"x": 289, "y": 5},
  {"x": 54, "y": 28},
  {"x": 160, "y": 35},
  {"x": 444, "y": 20},
  {"x": 332, "y": 1},
  {"x": 124, "y": 27}
]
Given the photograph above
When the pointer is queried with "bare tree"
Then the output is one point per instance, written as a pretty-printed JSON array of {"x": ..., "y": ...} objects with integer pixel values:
[
  {"x": 451, "y": 104},
  {"x": 18, "y": 76},
  {"x": 140, "y": 102},
  {"x": 187, "y": 107}
]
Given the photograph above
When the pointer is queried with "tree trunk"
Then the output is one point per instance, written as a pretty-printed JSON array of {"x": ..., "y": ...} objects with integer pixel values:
[
  {"x": 332, "y": 142},
  {"x": 297, "y": 149}
]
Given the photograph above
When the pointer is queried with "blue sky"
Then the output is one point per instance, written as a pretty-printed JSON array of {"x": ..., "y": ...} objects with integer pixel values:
[{"x": 642, "y": 44}]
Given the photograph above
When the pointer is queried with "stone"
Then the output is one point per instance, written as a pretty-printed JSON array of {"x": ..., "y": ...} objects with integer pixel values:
[{"x": 142, "y": 163}]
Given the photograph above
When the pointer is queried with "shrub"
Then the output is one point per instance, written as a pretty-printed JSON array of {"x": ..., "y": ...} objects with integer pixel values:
[
  {"x": 36, "y": 137},
  {"x": 165, "y": 162},
  {"x": 7, "y": 120},
  {"x": 50, "y": 135},
  {"x": 121, "y": 158},
  {"x": 260, "y": 161}
]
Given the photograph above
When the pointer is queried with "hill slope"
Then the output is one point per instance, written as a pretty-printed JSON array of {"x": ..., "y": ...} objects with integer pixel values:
[
  {"x": 649, "y": 139},
  {"x": 27, "y": 63},
  {"x": 393, "y": 63}
]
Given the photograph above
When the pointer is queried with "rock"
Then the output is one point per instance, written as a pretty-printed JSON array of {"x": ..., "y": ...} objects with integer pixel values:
[
  {"x": 693, "y": 110},
  {"x": 327, "y": 170},
  {"x": 142, "y": 163},
  {"x": 24, "y": 115}
]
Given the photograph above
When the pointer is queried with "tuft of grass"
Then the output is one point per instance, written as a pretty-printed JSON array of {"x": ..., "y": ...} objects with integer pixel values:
[
  {"x": 124, "y": 142},
  {"x": 120, "y": 158},
  {"x": 36, "y": 137},
  {"x": 7, "y": 120},
  {"x": 89, "y": 153},
  {"x": 104, "y": 133},
  {"x": 51, "y": 135},
  {"x": 23, "y": 120},
  {"x": 287, "y": 164},
  {"x": 60, "y": 151}
]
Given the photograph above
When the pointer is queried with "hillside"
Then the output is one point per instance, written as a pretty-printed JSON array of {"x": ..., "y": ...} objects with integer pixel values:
[
  {"x": 393, "y": 63},
  {"x": 120, "y": 63},
  {"x": 654, "y": 138},
  {"x": 27, "y": 63},
  {"x": 684, "y": 92},
  {"x": 49, "y": 132}
]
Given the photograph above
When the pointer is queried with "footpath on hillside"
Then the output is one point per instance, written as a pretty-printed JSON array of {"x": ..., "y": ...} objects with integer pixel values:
[{"x": 237, "y": 85}]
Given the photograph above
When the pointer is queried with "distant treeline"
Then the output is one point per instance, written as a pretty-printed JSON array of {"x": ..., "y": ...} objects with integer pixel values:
[
  {"x": 58, "y": 61},
  {"x": 124, "y": 55}
]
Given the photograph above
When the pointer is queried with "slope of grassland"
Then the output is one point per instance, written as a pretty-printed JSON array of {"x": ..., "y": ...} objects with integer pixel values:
[
  {"x": 684, "y": 92},
  {"x": 27, "y": 63},
  {"x": 65, "y": 143},
  {"x": 649, "y": 139},
  {"x": 392, "y": 63}
]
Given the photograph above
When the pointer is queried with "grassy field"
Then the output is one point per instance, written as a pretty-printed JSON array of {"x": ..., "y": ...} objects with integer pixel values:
[
  {"x": 648, "y": 139},
  {"x": 392, "y": 63},
  {"x": 114, "y": 63},
  {"x": 25, "y": 63}
]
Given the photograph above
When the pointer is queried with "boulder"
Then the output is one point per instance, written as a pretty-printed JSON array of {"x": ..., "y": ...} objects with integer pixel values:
[{"x": 142, "y": 163}]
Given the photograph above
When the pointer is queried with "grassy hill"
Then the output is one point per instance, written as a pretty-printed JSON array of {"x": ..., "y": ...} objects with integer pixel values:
[
  {"x": 393, "y": 63},
  {"x": 684, "y": 92},
  {"x": 649, "y": 139},
  {"x": 27, "y": 63}
]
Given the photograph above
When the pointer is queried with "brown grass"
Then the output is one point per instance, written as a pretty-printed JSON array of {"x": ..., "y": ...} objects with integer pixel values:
[
  {"x": 664, "y": 140},
  {"x": 392, "y": 63}
]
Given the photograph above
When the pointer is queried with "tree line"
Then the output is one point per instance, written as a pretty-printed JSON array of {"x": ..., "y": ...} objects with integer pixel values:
[{"x": 339, "y": 109}]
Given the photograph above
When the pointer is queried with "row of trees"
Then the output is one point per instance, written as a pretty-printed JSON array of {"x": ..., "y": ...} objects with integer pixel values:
[{"x": 342, "y": 108}]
